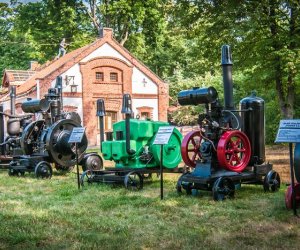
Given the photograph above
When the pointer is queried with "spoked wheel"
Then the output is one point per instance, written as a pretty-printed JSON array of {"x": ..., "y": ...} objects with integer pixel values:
[
  {"x": 272, "y": 181},
  {"x": 133, "y": 181},
  {"x": 86, "y": 176},
  {"x": 289, "y": 196},
  {"x": 223, "y": 188},
  {"x": 43, "y": 170},
  {"x": 234, "y": 151},
  {"x": 190, "y": 148}
]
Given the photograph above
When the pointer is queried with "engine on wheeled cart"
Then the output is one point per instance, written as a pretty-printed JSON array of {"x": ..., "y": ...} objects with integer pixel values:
[
  {"x": 15, "y": 124},
  {"x": 229, "y": 147},
  {"x": 130, "y": 146},
  {"x": 44, "y": 141}
]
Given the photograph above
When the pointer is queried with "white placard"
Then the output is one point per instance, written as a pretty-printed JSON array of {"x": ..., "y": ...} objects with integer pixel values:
[
  {"x": 163, "y": 135},
  {"x": 76, "y": 135},
  {"x": 289, "y": 131}
]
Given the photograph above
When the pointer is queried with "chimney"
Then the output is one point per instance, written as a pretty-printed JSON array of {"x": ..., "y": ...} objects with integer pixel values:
[
  {"x": 107, "y": 32},
  {"x": 34, "y": 65}
]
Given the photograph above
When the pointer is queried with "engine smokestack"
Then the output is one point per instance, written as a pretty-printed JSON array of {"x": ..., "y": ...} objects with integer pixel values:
[
  {"x": 12, "y": 100},
  {"x": 226, "y": 62}
]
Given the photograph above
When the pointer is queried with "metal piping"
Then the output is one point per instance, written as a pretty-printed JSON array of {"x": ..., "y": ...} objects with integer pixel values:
[
  {"x": 226, "y": 62},
  {"x": 12, "y": 100},
  {"x": 101, "y": 113},
  {"x": 127, "y": 110}
]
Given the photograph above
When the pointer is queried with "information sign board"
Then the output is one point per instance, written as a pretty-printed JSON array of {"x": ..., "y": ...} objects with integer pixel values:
[
  {"x": 289, "y": 131},
  {"x": 76, "y": 135},
  {"x": 163, "y": 135}
]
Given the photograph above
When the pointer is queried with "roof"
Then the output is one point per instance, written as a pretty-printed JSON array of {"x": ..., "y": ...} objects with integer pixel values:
[
  {"x": 58, "y": 66},
  {"x": 16, "y": 77}
]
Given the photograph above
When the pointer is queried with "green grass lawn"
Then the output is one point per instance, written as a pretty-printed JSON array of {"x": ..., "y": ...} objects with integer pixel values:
[{"x": 53, "y": 214}]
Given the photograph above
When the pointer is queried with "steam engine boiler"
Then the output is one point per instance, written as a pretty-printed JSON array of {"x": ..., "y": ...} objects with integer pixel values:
[
  {"x": 130, "y": 146},
  {"x": 44, "y": 142},
  {"x": 229, "y": 147}
]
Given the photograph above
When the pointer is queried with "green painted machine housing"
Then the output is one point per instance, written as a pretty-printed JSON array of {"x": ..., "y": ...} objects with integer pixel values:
[{"x": 147, "y": 155}]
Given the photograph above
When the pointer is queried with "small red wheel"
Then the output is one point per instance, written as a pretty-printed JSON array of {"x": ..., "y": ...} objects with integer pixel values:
[
  {"x": 190, "y": 148},
  {"x": 234, "y": 151},
  {"x": 289, "y": 198}
]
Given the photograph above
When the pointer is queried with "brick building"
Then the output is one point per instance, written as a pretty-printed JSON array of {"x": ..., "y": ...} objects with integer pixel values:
[{"x": 102, "y": 69}]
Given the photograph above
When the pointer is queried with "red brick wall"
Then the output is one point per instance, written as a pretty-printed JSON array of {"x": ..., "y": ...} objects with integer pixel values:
[{"x": 112, "y": 92}]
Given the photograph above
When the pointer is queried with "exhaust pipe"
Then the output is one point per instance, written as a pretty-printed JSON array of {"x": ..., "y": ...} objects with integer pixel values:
[
  {"x": 226, "y": 62},
  {"x": 127, "y": 110},
  {"x": 12, "y": 100},
  {"x": 58, "y": 85},
  {"x": 101, "y": 113}
]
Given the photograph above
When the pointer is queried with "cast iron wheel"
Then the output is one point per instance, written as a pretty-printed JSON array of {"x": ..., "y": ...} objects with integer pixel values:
[
  {"x": 133, "y": 181},
  {"x": 289, "y": 197},
  {"x": 93, "y": 162},
  {"x": 190, "y": 148},
  {"x": 86, "y": 176},
  {"x": 60, "y": 151},
  {"x": 223, "y": 188},
  {"x": 234, "y": 151},
  {"x": 43, "y": 170},
  {"x": 272, "y": 181}
]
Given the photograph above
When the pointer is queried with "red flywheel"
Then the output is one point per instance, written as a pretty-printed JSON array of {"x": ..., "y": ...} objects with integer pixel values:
[
  {"x": 190, "y": 148},
  {"x": 234, "y": 151}
]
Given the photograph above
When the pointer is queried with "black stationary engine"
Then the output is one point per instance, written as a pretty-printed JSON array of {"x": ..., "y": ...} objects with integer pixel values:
[
  {"x": 44, "y": 141},
  {"x": 229, "y": 147}
]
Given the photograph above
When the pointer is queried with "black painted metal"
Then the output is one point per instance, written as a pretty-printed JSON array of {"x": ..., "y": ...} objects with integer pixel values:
[
  {"x": 197, "y": 96},
  {"x": 253, "y": 125},
  {"x": 12, "y": 100},
  {"x": 127, "y": 110},
  {"x": 101, "y": 113},
  {"x": 226, "y": 62},
  {"x": 34, "y": 106},
  {"x": 109, "y": 136},
  {"x": 58, "y": 85}
]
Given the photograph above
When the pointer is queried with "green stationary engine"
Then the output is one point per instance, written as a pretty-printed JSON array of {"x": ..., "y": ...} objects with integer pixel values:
[
  {"x": 132, "y": 145},
  {"x": 142, "y": 152}
]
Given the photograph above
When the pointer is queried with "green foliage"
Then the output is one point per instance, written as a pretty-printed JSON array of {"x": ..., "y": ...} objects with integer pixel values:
[{"x": 179, "y": 40}]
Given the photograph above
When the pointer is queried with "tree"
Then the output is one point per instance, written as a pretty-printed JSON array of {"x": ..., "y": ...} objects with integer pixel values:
[{"x": 264, "y": 35}]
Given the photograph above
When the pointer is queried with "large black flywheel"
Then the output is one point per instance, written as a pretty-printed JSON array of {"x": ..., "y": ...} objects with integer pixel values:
[{"x": 62, "y": 152}]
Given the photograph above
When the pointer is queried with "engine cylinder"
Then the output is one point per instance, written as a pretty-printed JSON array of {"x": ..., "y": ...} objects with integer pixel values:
[
  {"x": 253, "y": 125},
  {"x": 13, "y": 126},
  {"x": 34, "y": 106},
  {"x": 197, "y": 96}
]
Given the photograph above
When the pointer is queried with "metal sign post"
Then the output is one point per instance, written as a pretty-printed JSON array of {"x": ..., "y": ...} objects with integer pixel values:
[
  {"x": 289, "y": 131},
  {"x": 162, "y": 138},
  {"x": 76, "y": 137}
]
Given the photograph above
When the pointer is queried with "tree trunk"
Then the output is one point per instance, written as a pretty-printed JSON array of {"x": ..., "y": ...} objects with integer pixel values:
[{"x": 286, "y": 97}]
